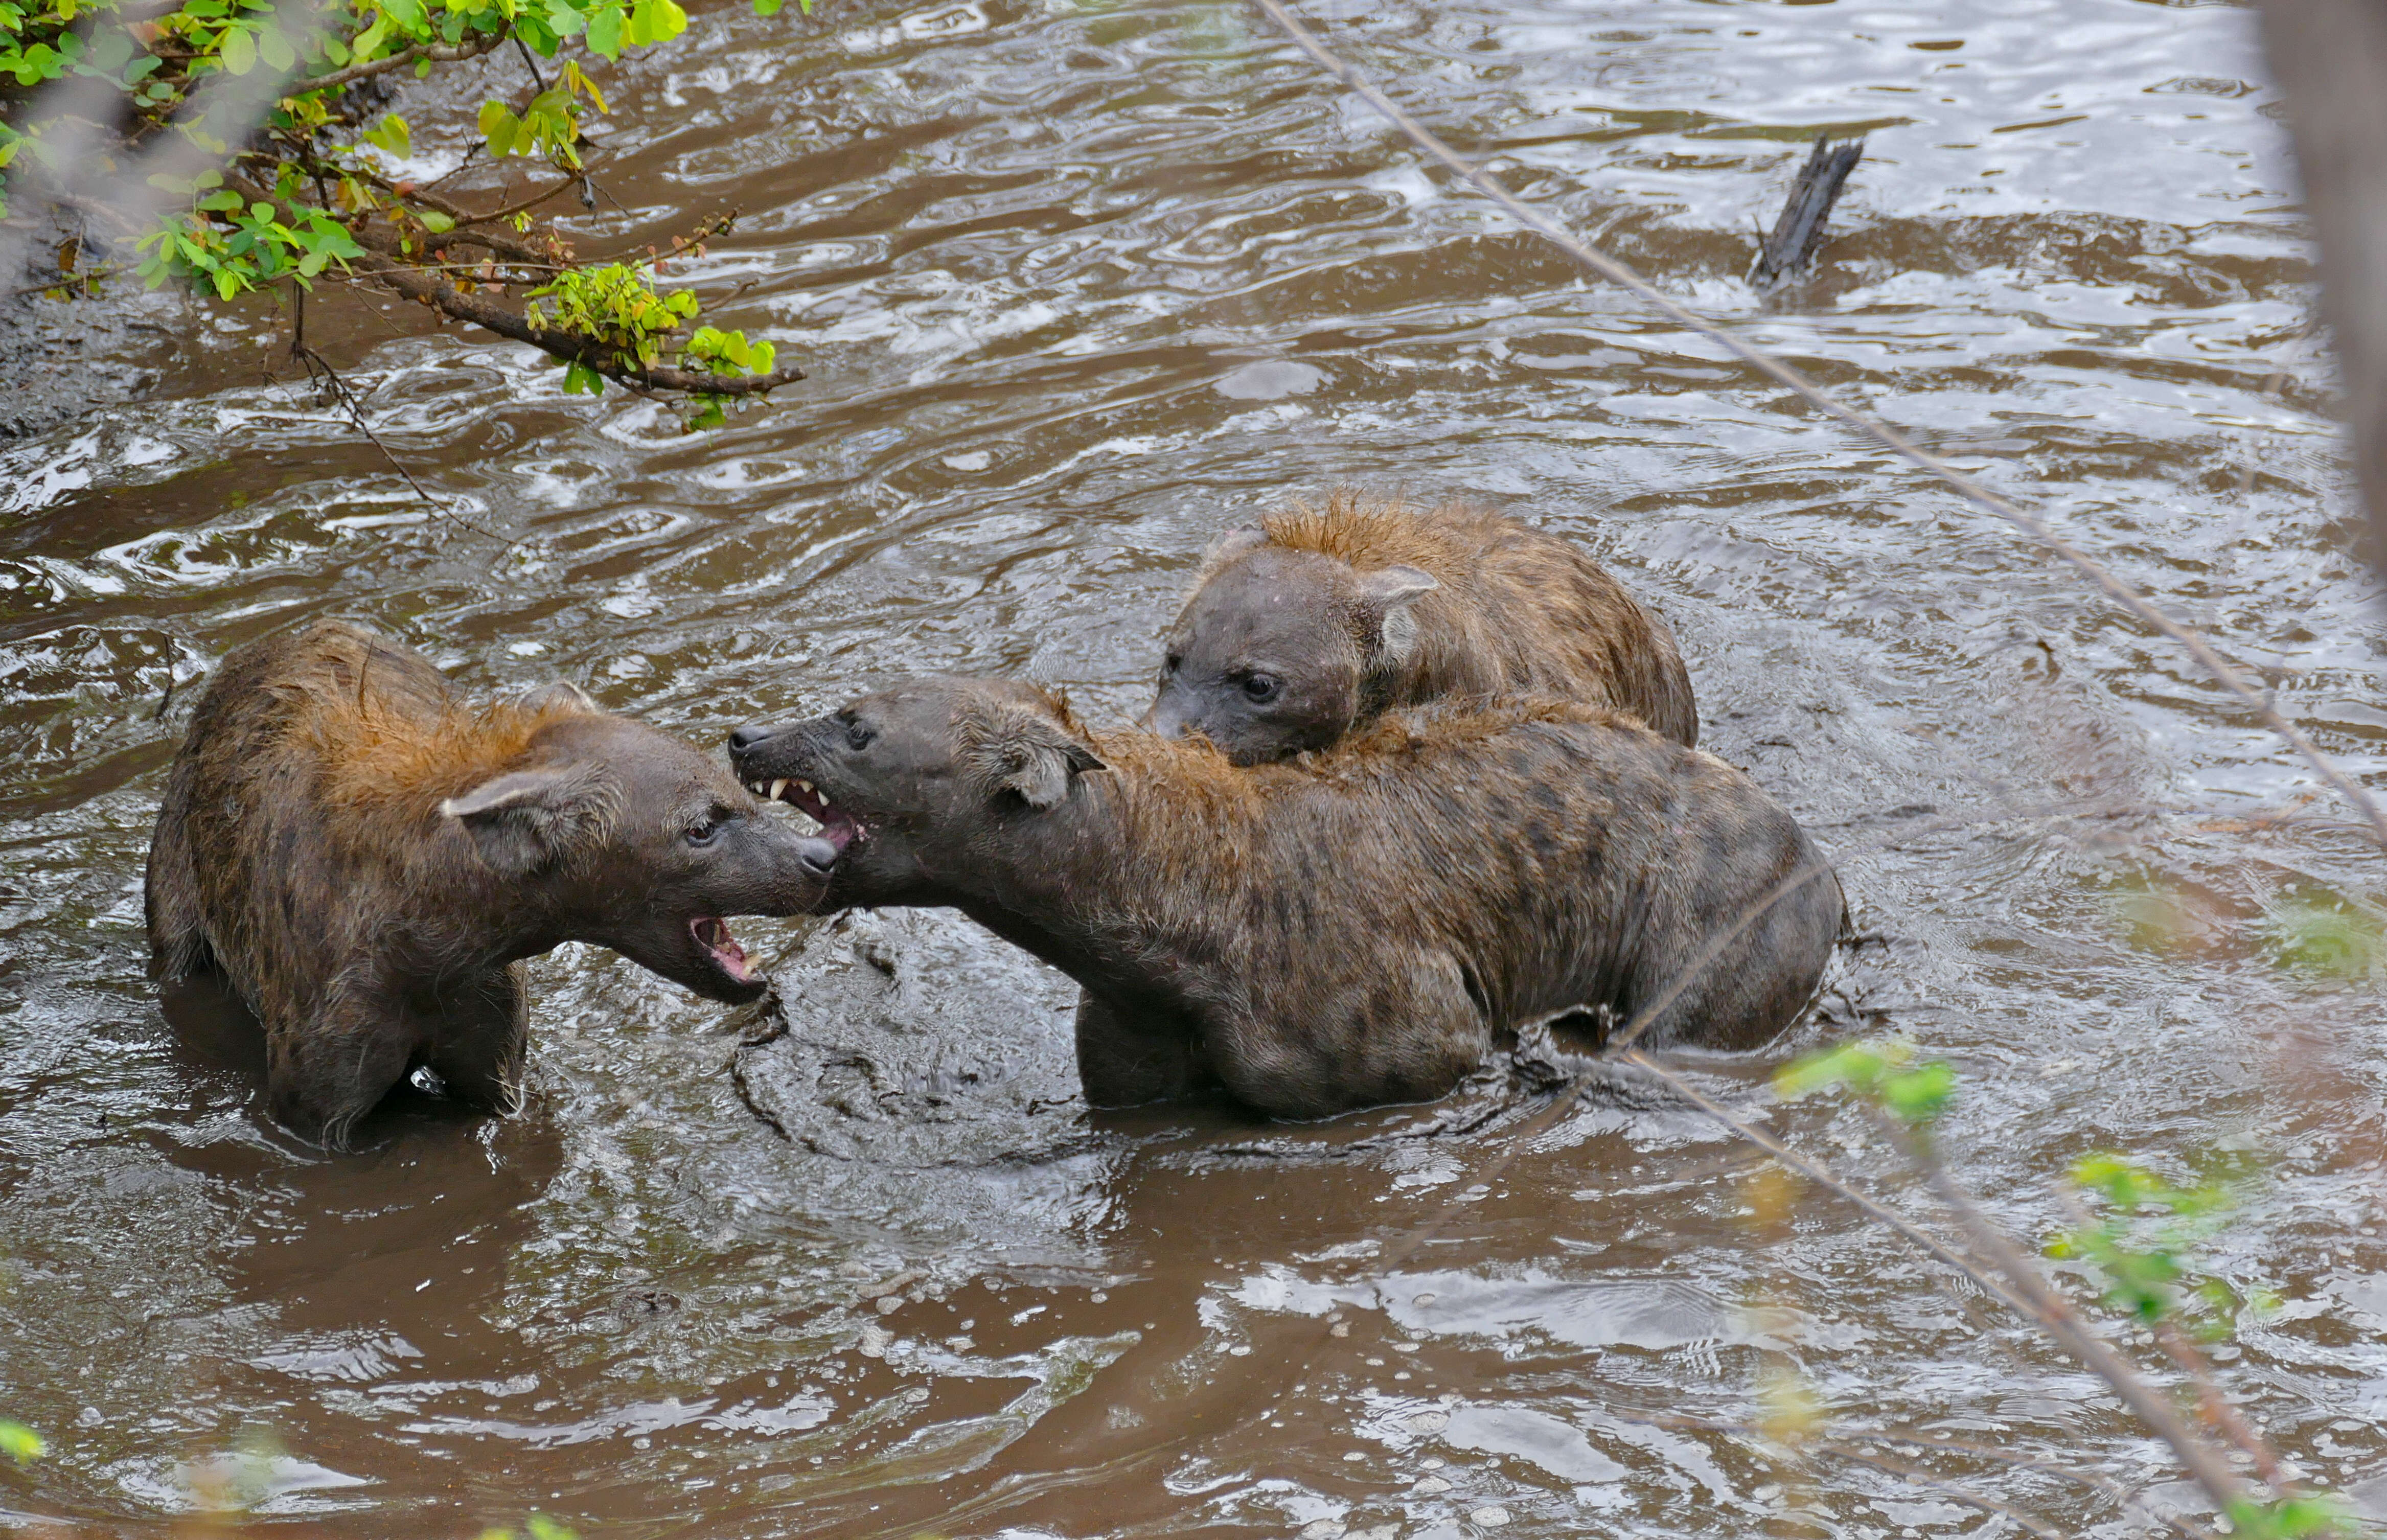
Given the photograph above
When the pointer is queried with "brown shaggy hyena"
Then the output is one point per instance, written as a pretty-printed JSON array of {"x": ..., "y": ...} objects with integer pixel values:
[
  {"x": 1298, "y": 632},
  {"x": 365, "y": 858},
  {"x": 1347, "y": 928}
]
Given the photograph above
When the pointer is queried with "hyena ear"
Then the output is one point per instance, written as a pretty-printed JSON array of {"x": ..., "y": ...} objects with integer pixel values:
[
  {"x": 1036, "y": 759},
  {"x": 1230, "y": 543},
  {"x": 1385, "y": 599},
  {"x": 526, "y": 821},
  {"x": 562, "y": 695},
  {"x": 1224, "y": 547},
  {"x": 1390, "y": 587}
]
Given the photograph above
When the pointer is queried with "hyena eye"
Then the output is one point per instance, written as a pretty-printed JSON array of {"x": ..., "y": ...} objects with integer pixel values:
[
  {"x": 857, "y": 737},
  {"x": 705, "y": 830},
  {"x": 1260, "y": 686},
  {"x": 1171, "y": 663}
]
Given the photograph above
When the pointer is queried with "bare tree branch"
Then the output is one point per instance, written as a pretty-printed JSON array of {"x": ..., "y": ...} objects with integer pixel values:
[{"x": 440, "y": 53}]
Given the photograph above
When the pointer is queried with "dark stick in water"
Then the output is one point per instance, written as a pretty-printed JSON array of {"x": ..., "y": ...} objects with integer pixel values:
[{"x": 1788, "y": 252}]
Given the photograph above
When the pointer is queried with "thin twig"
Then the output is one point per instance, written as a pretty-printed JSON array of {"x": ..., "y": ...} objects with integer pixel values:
[
  {"x": 2056, "y": 1314},
  {"x": 1817, "y": 1172},
  {"x": 526, "y": 204},
  {"x": 2219, "y": 1414},
  {"x": 70, "y": 281},
  {"x": 531, "y": 64},
  {"x": 327, "y": 381},
  {"x": 462, "y": 161},
  {"x": 2029, "y": 1294},
  {"x": 1617, "y": 272},
  {"x": 443, "y": 52},
  {"x": 320, "y": 373}
]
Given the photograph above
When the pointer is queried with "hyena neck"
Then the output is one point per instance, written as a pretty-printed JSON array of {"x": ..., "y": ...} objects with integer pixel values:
[
  {"x": 1097, "y": 888},
  {"x": 467, "y": 919}
]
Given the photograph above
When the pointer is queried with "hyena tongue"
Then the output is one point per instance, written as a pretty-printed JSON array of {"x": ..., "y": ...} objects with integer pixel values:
[{"x": 715, "y": 936}]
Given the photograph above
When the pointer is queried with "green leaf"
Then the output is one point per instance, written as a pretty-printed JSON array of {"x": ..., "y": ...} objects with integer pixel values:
[
  {"x": 17, "y": 1440},
  {"x": 768, "y": 7},
  {"x": 393, "y": 136},
  {"x": 435, "y": 221},
  {"x": 605, "y": 32},
  {"x": 544, "y": 1528},
  {"x": 330, "y": 237},
  {"x": 2292, "y": 1518},
  {"x": 500, "y": 127},
  {"x": 581, "y": 379},
  {"x": 1859, "y": 1065},
  {"x": 238, "y": 50},
  {"x": 656, "y": 21},
  {"x": 275, "y": 50},
  {"x": 1920, "y": 1096},
  {"x": 112, "y": 50}
]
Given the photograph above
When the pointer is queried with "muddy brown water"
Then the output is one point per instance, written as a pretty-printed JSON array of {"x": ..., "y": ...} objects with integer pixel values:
[{"x": 1078, "y": 283}]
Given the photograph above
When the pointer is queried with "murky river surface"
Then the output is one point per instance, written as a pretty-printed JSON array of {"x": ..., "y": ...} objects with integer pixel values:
[{"x": 1078, "y": 283}]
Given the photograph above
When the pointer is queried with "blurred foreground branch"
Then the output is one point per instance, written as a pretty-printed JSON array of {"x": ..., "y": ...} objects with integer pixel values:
[{"x": 2331, "y": 58}]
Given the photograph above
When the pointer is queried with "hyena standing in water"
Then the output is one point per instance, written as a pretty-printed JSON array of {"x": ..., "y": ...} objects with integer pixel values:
[
  {"x": 1353, "y": 927},
  {"x": 366, "y": 859},
  {"x": 1303, "y": 630}
]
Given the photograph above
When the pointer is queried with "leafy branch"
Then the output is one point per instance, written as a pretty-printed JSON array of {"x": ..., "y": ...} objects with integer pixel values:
[
  {"x": 314, "y": 183},
  {"x": 2141, "y": 1249}
]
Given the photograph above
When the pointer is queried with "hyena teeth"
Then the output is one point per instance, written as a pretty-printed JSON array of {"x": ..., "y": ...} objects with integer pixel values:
[
  {"x": 807, "y": 786},
  {"x": 778, "y": 786}
]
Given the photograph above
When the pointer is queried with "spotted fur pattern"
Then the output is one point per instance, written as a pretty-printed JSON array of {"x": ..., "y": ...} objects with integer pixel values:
[
  {"x": 1354, "y": 927},
  {"x": 1499, "y": 608},
  {"x": 365, "y": 858}
]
